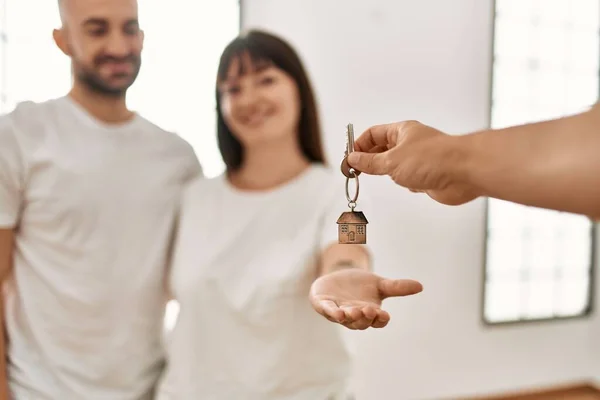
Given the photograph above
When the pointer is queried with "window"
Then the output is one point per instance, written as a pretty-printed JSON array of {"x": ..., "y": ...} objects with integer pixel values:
[
  {"x": 176, "y": 85},
  {"x": 34, "y": 68},
  {"x": 175, "y": 88},
  {"x": 344, "y": 228},
  {"x": 546, "y": 65},
  {"x": 360, "y": 229}
]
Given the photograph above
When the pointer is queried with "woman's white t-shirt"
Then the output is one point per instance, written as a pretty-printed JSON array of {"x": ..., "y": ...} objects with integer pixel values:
[{"x": 242, "y": 268}]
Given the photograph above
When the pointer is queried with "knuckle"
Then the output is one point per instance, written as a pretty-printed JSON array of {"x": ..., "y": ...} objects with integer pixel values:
[
  {"x": 408, "y": 129},
  {"x": 410, "y": 125},
  {"x": 411, "y": 122}
]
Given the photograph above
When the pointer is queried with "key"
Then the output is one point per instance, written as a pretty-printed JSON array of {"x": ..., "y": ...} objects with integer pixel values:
[
  {"x": 347, "y": 170},
  {"x": 352, "y": 225}
]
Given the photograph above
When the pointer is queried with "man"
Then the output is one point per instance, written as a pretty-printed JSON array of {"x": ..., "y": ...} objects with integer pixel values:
[
  {"x": 88, "y": 199},
  {"x": 552, "y": 164}
]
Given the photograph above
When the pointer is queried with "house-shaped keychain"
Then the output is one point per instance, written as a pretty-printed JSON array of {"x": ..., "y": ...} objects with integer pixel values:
[{"x": 352, "y": 228}]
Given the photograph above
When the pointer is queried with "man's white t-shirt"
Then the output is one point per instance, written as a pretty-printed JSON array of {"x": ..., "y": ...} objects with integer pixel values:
[
  {"x": 242, "y": 268},
  {"x": 93, "y": 208}
]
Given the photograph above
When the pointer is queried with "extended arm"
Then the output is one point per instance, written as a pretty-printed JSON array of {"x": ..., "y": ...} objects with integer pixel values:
[{"x": 552, "y": 164}]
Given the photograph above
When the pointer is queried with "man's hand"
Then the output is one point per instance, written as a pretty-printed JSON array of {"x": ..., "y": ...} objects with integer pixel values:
[
  {"x": 417, "y": 157},
  {"x": 353, "y": 296}
]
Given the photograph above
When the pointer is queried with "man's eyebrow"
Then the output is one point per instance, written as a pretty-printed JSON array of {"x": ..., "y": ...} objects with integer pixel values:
[
  {"x": 95, "y": 21},
  {"x": 132, "y": 22}
]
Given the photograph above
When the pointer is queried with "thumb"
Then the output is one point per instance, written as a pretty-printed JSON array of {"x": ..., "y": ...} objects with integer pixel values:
[
  {"x": 399, "y": 287},
  {"x": 369, "y": 163}
]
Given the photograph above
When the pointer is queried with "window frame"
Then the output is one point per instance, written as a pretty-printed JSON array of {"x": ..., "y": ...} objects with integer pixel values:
[{"x": 590, "y": 309}]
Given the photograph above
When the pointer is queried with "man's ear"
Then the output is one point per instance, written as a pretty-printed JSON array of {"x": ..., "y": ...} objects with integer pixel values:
[
  {"x": 59, "y": 36},
  {"x": 142, "y": 37}
]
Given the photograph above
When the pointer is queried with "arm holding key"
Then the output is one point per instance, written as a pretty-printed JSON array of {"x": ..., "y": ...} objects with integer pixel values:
[{"x": 553, "y": 164}]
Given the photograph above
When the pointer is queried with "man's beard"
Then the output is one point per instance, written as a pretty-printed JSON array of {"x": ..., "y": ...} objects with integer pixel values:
[{"x": 94, "y": 82}]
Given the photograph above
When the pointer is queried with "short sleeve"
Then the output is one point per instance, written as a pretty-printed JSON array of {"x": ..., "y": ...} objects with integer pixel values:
[
  {"x": 193, "y": 167},
  {"x": 12, "y": 171}
]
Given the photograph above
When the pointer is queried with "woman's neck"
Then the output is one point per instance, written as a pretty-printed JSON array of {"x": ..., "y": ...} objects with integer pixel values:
[{"x": 265, "y": 167}]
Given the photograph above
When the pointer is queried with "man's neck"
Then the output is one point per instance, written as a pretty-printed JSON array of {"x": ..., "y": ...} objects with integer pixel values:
[{"x": 110, "y": 110}]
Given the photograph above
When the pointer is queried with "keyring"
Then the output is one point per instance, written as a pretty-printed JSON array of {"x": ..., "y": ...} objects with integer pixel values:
[
  {"x": 352, "y": 200},
  {"x": 352, "y": 225}
]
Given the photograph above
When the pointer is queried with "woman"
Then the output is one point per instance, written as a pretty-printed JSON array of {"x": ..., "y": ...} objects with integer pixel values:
[{"x": 251, "y": 243}]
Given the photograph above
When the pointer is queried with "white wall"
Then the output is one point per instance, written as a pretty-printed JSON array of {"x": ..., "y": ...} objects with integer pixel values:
[{"x": 377, "y": 61}]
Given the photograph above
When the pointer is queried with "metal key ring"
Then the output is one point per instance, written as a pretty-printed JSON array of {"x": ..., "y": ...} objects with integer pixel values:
[{"x": 352, "y": 200}]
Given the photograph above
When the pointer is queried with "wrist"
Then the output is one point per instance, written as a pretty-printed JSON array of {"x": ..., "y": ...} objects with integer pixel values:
[
  {"x": 463, "y": 162},
  {"x": 337, "y": 257},
  {"x": 339, "y": 266},
  {"x": 344, "y": 264}
]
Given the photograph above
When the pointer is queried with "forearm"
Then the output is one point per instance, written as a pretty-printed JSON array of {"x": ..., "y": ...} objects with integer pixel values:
[
  {"x": 6, "y": 259},
  {"x": 552, "y": 164},
  {"x": 4, "y": 390},
  {"x": 340, "y": 256}
]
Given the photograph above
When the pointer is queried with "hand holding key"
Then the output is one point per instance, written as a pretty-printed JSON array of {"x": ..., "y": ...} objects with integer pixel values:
[{"x": 415, "y": 156}]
